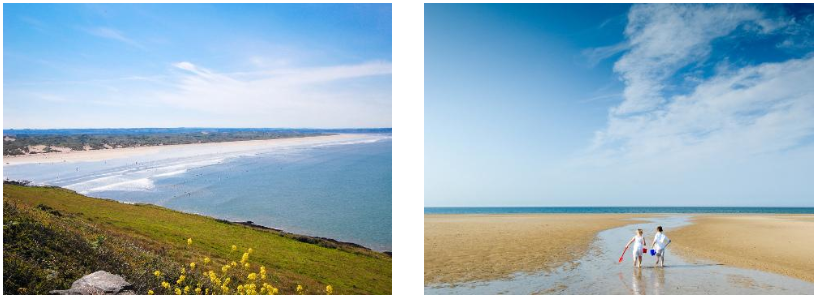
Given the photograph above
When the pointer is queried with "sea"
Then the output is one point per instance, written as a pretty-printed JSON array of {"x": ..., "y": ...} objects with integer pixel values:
[
  {"x": 619, "y": 210},
  {"x": 338, "y": 190}
]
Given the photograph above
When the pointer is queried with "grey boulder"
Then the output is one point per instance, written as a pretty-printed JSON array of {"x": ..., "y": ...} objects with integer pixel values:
[{"x": 98, "y": 283}]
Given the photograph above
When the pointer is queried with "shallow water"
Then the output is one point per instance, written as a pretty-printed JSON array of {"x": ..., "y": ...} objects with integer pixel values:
[
  {"x": 598, "y": 272},
  {"x": 338, "y": 190}
]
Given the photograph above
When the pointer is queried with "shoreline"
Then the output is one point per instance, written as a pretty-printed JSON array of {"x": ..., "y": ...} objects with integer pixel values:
[
  {"x": 117, "y": 153},
  {"x": 546, "y": 246},
  {"x": 309, "y": 239}
]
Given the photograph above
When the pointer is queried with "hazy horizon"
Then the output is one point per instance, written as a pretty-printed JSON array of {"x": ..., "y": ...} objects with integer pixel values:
[
  {"x": 194, "y": 127},
  {"x": 593, "y": 206}
]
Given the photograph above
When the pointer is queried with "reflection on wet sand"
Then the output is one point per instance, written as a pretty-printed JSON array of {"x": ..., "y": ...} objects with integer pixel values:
[
  {"x": 658, "y": 280},
  {"x": 638, "y": 285},
  {"x": 596, "y": 274}
]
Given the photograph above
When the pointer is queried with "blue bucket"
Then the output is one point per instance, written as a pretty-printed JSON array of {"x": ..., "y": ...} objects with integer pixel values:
[{"x": 652, "y": 252}]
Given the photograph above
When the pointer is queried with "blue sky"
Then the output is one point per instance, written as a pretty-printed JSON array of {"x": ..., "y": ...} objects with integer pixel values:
[
  {"x": 619, "y": 105},
  {"x": 148, "y": 65}
]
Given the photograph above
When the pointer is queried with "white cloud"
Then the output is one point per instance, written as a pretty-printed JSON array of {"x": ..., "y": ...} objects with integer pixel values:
[
  {"x": 664, "y": 38},
  {"x": 596, "y": 55},
  {"x": 336, "y": 96},
  {"x": 113, "y": 34},
  {"x": 733, "y": 115}
]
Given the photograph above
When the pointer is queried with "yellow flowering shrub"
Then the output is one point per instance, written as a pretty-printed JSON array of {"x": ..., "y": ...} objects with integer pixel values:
[{"x": 230, "y": 281}]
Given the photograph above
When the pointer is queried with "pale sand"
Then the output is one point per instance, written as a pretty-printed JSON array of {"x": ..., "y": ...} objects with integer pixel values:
[
  {"x": 782, "y": 244},
  {"x": 107, "y": 154},
  {"x": 461, "y": 248}
]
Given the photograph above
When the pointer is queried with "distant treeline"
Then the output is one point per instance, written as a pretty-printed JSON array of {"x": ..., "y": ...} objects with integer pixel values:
[{"x": 23, "y": 141}]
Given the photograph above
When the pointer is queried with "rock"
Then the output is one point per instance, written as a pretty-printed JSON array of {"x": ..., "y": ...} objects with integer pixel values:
[{"x": 98, "y": 283}]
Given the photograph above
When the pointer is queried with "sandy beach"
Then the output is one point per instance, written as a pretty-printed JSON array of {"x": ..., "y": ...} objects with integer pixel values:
[
  {"x": 782, "y": 244},
  {"x": 108, "y": 154},
  {"x": 461, "y": 248},
  {"x": 467, "y": 248}
]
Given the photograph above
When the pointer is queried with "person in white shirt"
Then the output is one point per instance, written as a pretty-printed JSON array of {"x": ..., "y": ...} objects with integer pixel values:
[
  {"x": 659, "y": 244},
  {"x": 638, "y": 247}
]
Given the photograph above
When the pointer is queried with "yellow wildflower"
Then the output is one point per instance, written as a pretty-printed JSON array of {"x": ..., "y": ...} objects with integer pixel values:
[
  {"x": 186, "y": 290},
  {"x": 225, "y": 268},
  {"x": 274, "y": 291},
  {"x": 192, "y": 265},
  {"x": 181, "y": 279},
  {"x": 150, "y": 292},
  {"x": 206, "y": 291},
  {"x": 245, "y": 257},
  {"x": 300, "y": 289},
  {"x": 233, "y": 248},
  {"x": 251, "y": 276},
  {"x": 165, "y": 285},
  {"x": 247, "y": 265},
  {"x": 225, "y": 289},
  {"x": 233, "y": 264},
  {"x": 249, "y": 250},
  {"x": 250, "y": 289},
  {"x": 206, "y": 260},
  {"x": 178, "y": 291},
  {"x": 189, "y": 241},
  {"x": 198, "y": 291},
  {"x": 329, "y": 290},
  {"x": 184, "y": 270}
]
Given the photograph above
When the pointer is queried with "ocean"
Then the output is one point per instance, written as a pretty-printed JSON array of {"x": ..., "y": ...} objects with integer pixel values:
[
  {"x": 338, "y": 190},
  {"x": 619, "y": 210}
]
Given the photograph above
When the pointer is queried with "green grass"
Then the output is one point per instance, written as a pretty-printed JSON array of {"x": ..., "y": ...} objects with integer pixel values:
[{"x": 144, "y": 238}]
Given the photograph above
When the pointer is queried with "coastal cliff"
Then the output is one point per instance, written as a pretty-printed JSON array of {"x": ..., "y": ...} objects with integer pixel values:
[{"x": 54, "y": 236}]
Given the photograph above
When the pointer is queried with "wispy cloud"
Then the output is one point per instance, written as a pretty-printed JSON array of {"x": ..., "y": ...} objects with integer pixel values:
[
  {"x": 324, "y": 96},
  {"x": 664, "y": 38},
  {"x": 601, "y": 98},
  {"x": 113, "y": 34},
  {"x": 598, "y": 54},
  {"x": 735, "y": 113},
  {"x": 34, "y": 23}
]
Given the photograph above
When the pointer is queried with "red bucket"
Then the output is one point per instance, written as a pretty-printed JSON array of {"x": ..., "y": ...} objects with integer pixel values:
[{"x": 644, "y": 249}]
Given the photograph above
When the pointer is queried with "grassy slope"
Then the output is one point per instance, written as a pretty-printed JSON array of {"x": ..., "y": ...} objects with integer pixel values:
[{"x": 289, "y": 261}]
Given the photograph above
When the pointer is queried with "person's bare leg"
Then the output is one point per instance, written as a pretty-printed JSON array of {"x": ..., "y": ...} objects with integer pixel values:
[{"x": 662, "y": 260}]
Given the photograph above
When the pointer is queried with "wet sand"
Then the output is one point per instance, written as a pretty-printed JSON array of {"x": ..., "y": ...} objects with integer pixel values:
[
  {"x": 109, "y": 154},
  {"x": 782, "y": 244},
  {"x": 463, "y": 248},
  {"x": 597, "y": 272}
]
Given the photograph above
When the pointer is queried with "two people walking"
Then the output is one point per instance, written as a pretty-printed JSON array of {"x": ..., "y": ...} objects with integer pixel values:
[{"x": 659, "y": 244}]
